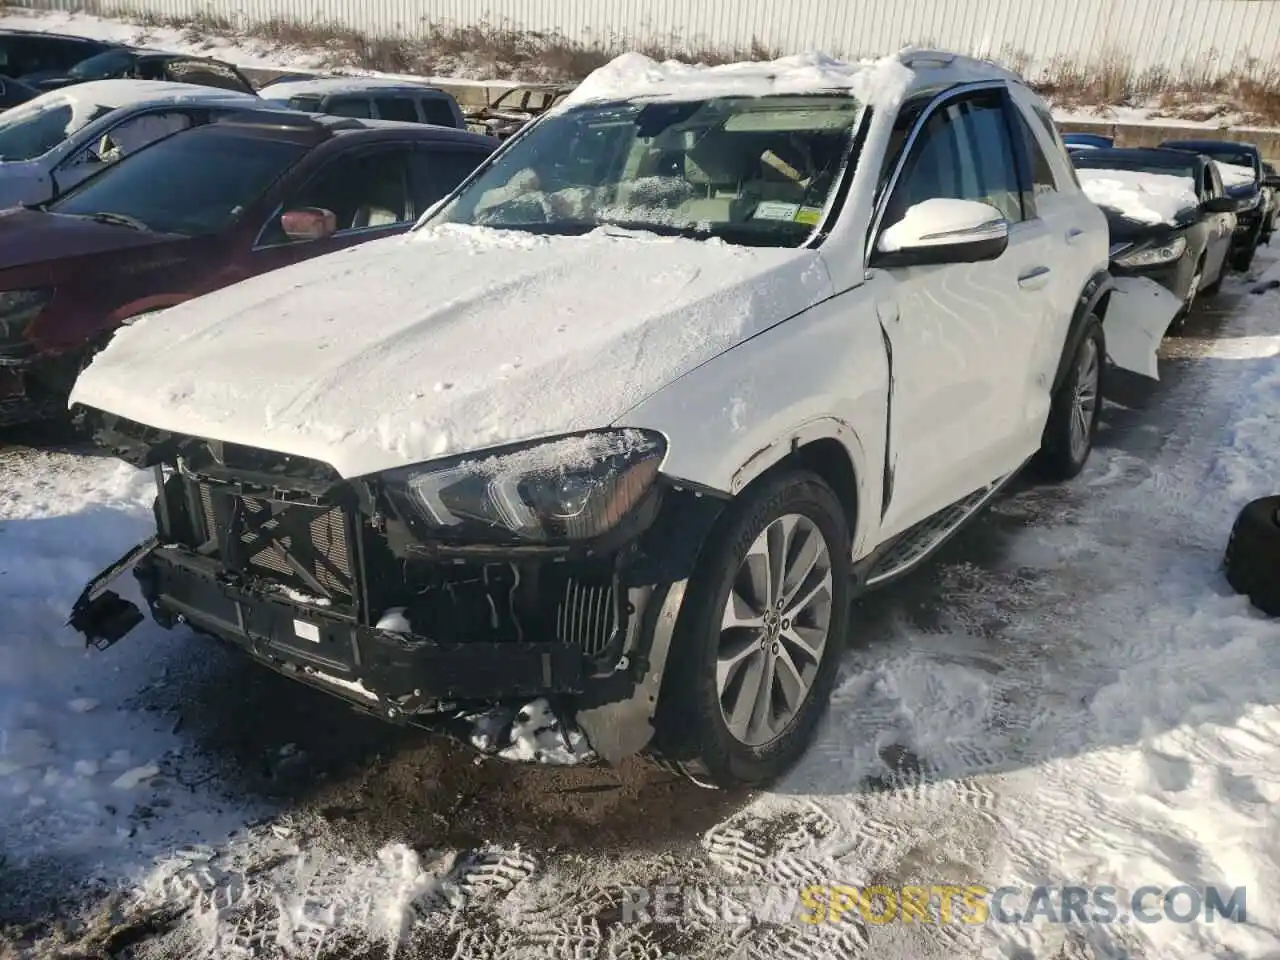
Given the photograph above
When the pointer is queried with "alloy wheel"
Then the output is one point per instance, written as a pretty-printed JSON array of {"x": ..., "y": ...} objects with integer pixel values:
[
  {"x": 774, "y": 630},
  {"x": 1084, "y": 402}
]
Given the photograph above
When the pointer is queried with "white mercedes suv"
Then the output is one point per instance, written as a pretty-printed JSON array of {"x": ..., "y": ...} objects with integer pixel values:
[{"x": 625, "y": 423}]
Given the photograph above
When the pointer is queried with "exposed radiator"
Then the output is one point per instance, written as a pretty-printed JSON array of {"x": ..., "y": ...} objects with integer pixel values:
[{"x": 587, "y": 617}]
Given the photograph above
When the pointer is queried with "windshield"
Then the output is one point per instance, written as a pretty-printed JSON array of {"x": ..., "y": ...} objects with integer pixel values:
[
  {"x": 190, "y": 183},
  {"x": 1232, "y": 158},
  {"x": 102, "y": 66},
  {"x": 750, "y": 170},
  {"x": 35, "y": 128}
]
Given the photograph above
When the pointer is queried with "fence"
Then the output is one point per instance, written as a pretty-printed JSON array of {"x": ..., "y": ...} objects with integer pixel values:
[{"x": 1183, "y": 40}]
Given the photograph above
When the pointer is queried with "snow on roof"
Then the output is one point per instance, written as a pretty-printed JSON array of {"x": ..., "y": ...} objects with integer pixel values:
[
  {"x": 1152, "y": 198},
  {"x": 636, "y": 76},
  {"x": 328, "y": 86},
  {"x": 86, "y": 100}
]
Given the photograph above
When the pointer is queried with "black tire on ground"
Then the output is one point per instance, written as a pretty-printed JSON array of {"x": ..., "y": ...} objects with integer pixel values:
[
  {"x": 1252, "y": 559},
  {"x": 691, "y": 733},
  {"x": 1242, "y": 260},
  {"x": 1057, "y": 460}
]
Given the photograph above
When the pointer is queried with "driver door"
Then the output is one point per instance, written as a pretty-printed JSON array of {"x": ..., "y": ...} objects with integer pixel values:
[{"x": 962, "y": 337}]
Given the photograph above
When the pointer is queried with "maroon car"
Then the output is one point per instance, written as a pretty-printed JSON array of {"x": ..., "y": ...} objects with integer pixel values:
[{"x": 195, "y": 212}]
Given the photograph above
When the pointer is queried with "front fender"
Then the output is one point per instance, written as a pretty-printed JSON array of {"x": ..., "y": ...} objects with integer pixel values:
[
  {"x": 1138, "y": 315},
  {"x": 822, "y": 375}
]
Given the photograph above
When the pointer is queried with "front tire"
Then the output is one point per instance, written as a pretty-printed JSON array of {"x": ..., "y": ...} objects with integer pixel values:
[
  {"x": 1075, "y": 410},
  {"x": 758, "y": 642}
]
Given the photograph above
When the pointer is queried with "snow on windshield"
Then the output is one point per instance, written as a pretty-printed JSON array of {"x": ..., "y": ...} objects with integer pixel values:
[
  {"x": 1235, "y": 174},
  {"x": 1145, "y": 197},
  {"x": 35, "y": 128}
]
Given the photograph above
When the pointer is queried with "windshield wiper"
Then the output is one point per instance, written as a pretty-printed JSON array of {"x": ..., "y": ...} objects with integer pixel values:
[{"x": 119, "y": 220}]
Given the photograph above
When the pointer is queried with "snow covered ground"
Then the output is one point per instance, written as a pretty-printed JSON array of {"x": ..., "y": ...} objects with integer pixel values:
[{"x": 1070, "y": 696}]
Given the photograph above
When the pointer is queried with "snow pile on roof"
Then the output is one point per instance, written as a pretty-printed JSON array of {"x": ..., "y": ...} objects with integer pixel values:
[
  {"x": 636, "y": 76},
  {"x": 1145, "y": 197},
  {"x": 87, "y": 100},
  {"x": 1235, "y": 174}
]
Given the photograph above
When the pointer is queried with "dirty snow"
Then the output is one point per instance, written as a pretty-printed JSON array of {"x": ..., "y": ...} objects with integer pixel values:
[
  {"x": 88, "y": 783},
  {"x": 1145, "y": 197},
  {"x": 538, "y": 336}
]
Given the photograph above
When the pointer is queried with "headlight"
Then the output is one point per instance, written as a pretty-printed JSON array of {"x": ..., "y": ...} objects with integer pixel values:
[
  {"x": 1154, "y": 256},
  {"x": 566, "y": 490},
  {"x": 18, "y": 308}
]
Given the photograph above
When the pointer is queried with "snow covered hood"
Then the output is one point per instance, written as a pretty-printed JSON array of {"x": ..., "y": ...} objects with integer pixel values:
[
  {"x": 444, "y": 341},
  {"x": 1151, "y": 198}
]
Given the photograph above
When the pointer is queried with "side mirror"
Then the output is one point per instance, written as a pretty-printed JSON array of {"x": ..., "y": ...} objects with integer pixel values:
[
  {"x": 308, "y": 223},
  {"x": 1220, "y": 205},
  {"x": 1271, "y": 180},
  {"x": 942, "y": 230}
]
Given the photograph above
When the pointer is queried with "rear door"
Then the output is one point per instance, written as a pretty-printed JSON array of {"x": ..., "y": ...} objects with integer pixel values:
[
  {"x": 365, "y": 188},
  {"x": 1220, "y": 225}
]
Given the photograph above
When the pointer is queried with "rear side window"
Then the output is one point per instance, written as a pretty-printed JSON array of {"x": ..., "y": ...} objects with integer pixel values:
[
  {"x": 358, "y": 107},
  {"x": 439, "y": 111},
  {"x": 397, "y": 108},
  {"x": 433, "y": 173},
  {"x": 305, "y": 104}
]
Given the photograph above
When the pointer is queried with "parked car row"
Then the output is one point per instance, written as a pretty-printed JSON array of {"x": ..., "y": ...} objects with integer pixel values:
[
  {"x": 627, "y": 419},
  {"x": 174, "y": 191},
  {"x": 1182, "y": 213}
]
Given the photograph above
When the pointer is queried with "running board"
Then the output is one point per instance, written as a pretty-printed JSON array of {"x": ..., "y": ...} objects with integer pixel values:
[{"x": 916, "y": 544}]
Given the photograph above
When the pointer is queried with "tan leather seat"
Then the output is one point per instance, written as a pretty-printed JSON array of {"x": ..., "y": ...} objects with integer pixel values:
[{"x": 715, "y": 167}]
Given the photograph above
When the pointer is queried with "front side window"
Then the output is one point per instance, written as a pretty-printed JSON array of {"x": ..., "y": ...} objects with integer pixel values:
[
  {"x": 358, "y": 107},
  {"x": 194, "y": 184},
  {"x": 104, "y": 66},
  {"x": 963, "y": 152},
  {"x": 749, "y": 170},
  {"x": 1042, "y": 180},
  {"x": 397, "y": 108},
  {"x": 434, "y": 173},
  {"x": 363, "y": 191}
]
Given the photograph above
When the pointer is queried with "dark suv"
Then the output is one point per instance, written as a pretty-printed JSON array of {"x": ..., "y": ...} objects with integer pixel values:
[
  {"x": 194, "y": 212},
  {"x": 24, "y": 52}
]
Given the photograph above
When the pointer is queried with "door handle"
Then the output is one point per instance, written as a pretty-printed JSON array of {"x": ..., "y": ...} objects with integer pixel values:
[
  {"x": 1034, "y": 279},
  {"x": 1074, "y": 234}
]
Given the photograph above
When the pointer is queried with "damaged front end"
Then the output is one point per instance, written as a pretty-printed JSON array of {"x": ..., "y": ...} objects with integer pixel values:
[{"x": 451, "y": 595}]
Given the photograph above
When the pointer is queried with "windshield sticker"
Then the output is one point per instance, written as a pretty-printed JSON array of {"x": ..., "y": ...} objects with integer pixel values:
[
  {"x": 809, "y": 216},
  {"x": 775, "y": 210}
]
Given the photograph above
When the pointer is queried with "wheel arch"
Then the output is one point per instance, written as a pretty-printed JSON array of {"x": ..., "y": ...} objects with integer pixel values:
[{"x": 1094, "y": 299}]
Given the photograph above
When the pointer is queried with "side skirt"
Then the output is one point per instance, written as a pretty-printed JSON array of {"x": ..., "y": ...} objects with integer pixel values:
[{"x": 918, "y": 543}]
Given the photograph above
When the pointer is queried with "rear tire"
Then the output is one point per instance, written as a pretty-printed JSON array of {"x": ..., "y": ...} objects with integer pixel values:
[
  {"x": 1252, "y": 559},
  {"x": 1072, "y": 424},
  {"x": 734, "y": 636}
]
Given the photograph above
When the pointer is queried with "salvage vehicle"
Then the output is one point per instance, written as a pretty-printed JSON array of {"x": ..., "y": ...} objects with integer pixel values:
[
  {"x": 246, "y": 193},
  {"x": 129, "y": 63},
  {"x": 1252, "y": 559},
  {"x": 368, "y": 97},
  {"x": 1169, "y": 217},
  {"x": 59, "y": 139},
  {"x": 23, "y": 52},
  {"x": 515, "y": 108},
  {"x": 1240, "y": 165},
  {"x": 617, "y": 432}
]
